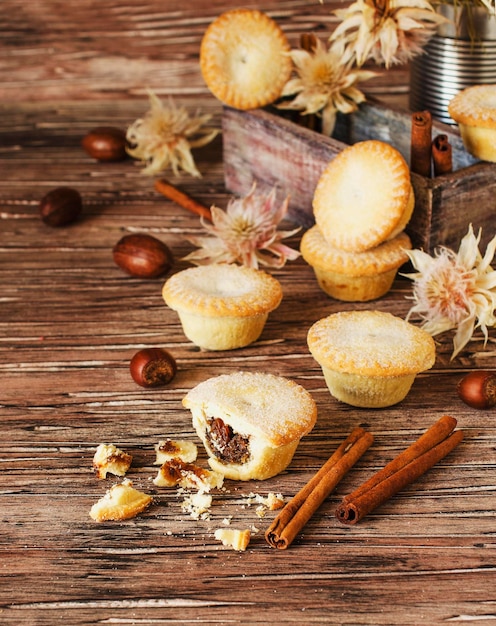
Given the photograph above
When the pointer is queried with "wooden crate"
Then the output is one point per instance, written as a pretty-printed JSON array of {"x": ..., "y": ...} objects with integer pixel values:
[{"x": 265, "y": 147}]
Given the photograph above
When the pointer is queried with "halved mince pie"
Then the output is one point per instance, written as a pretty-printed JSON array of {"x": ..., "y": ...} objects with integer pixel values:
[{"x": 250, "y": 423}]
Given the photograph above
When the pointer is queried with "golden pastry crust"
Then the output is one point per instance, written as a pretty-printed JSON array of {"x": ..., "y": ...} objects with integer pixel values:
[
  {"x": 354, "y": 276},
  {"x": 475, "y": 106},
  {"x": 221, "y": 290},
  {"x": 234, "y": 538},
  {"x": 389, "y": 255},
  {"x": 272, "y": 407},
  {"x": 364, "y": 196},
  {"x": 175, "y": 449},
  {"x": 119, "y": 503},
  {"x": 222, "y": 307},
  {"x": 370, "y": 358},
  {"x": 250, "y": 423},
  {"x": 109, "y": 459},
  {"x": 474, "y": 109},
  {"x": 371, "y": 343},
  {"x": 244, "y": 59},
  {"x": 187, "y": 475}
]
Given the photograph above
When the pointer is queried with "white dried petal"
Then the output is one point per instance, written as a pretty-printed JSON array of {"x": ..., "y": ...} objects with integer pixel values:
[
  {"x": 324, "y": 85},
  {"x": 246, "y": 233},
  {"x": 455, "y": 291},
  {"x": 164, "y": 137},
  {"x": 385, "y": 31}
]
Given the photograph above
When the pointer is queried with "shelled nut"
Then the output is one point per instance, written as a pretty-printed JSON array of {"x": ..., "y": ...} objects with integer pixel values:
[
  {"x": 143, "y": 256},
  {"x": 105, "y": 143},
  {"x": 60, "y": 206},
  {"x": 153, "y": 367}
]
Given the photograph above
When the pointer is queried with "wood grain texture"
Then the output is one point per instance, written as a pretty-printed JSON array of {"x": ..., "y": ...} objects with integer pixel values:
[
  {"x": 70, "y": 322},
  {"x": 105, "y": 50}
]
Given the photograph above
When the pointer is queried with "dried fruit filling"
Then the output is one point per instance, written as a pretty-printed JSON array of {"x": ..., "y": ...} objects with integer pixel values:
[{"x": 228, "y": 446}]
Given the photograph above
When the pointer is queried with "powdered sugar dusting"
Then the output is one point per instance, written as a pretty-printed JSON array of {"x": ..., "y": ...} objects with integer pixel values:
[
  {"x": 277, "y": 407},
  {"x": 475, "y": 105},
  {"x": 223, "y": 289},
  {"x": 371, "y": 343},
  {"x": 362, "y": 195}
]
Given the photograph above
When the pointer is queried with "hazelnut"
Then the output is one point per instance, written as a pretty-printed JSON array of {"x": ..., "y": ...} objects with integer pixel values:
[
  {"x": 478, "y": 389},
  {"x": 105, "y": 143},
  {"x": 60, "y": 206},
  {"x": 143, "y": 256},
  {"x": 153, "y": 367}
]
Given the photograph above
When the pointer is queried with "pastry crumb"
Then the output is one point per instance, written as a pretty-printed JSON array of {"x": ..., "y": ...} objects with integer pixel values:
[
  {"x": 169, "y": 449},
  {"x": 234, "y": 538},
  {"x": 272, "y": 502},
  {"x": 197, "y": 505},
  {"x": 122, "y": 501},
  {"x": 188, "y": 475},
  {"x": 109, "y": 459}
]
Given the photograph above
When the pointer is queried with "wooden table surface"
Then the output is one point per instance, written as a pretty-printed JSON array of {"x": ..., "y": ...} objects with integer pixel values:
[{"x": 70, "y": 321}]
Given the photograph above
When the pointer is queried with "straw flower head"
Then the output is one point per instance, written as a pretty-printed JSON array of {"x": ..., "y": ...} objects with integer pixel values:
[
  {"x": 323, "y": 84},
  {"x": 386, "y": 31},
  {"x": 245, "y": 233},
  {"x": 164, "y": 138},
  {"x": 455, "y": 290}
]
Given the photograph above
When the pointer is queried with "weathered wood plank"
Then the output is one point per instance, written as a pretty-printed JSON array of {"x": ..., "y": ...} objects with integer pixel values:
[
  {"x": 107, "y": 50},
  {"x": 70, "y": 321}
]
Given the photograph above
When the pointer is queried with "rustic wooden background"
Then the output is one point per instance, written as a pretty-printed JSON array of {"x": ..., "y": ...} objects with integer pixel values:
[
  {"x": 70, "y": 321},
  {"x": 105, "y": 50}
]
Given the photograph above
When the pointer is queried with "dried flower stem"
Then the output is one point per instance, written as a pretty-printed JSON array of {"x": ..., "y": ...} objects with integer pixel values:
[{"x": 182, "y": 199}]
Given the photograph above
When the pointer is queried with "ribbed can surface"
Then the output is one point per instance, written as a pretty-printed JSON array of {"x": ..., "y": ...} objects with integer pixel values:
[{"x": 452, "y": 61}]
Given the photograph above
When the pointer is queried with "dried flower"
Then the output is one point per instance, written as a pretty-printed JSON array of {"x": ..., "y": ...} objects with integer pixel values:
[
  {"x": 455, "y": 290},
  {"x": 165, "y": 136},
  {"x": 246, "y": 233},
  {"x": 387, "y": 31},
  {"x": 323, "y": 85},
  {"x": 490, "y": 6}
]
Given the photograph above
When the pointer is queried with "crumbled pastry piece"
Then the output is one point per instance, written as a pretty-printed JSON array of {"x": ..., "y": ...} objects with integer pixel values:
[
  {"x": 197, "y": 505},
  {"x": 169, "y": 449},
  {"x": 272, "y": 502},
  {"x": 260, "y": 511},
  {"x": 110, "y": 460},
  {"x": 187, "y": 475},
  {"x": 237, "y": 539},
  {"x": 120, "y": 502}
]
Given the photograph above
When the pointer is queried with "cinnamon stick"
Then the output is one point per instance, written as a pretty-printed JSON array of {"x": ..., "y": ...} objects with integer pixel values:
[
  {"x": 182, "y": 199},
  {"x": 409, "y": 465},
  {"x": 293, "y": 517},
  {"x": 442, "y": 155},
  {"x": 421, "y": 139}
]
